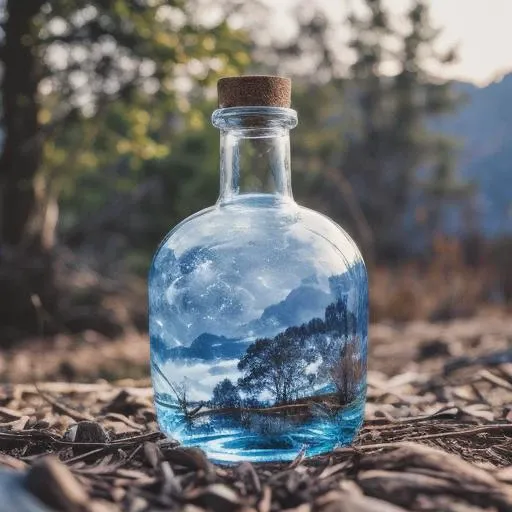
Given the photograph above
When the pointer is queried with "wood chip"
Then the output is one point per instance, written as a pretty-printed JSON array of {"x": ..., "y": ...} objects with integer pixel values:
[
  {"x": 216, "y": 497},
  {"x": 353, "y": 503},
  {"x": 52, "y": 483}
]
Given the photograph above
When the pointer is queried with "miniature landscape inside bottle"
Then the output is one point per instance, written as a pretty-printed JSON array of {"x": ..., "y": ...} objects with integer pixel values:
[{"x": 258, "y": 311}]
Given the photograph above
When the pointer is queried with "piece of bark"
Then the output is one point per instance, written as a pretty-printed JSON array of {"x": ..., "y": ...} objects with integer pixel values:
[
  {"x": 352, "y": 502},
  {"x": 403, "y": 488},
  {"x": 413, "y": 455},
  {"x": 55, "y": 486}
]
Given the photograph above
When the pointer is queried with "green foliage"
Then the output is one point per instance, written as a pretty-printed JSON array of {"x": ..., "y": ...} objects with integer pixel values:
[{"x": 124, "y": 89}]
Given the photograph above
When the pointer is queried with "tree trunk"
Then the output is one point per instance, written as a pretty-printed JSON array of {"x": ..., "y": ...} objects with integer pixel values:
[
  {"x": 27, "y": 305},
  {"x": 21, "y": 154}
]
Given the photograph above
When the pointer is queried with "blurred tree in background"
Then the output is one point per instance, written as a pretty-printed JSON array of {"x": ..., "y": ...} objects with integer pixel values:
[
  {"x": 388, "y": 147},
  {"x": 91, "y": 91},
  {"x": 107, "y": 142},
  {"x": 96, "y": 85}
]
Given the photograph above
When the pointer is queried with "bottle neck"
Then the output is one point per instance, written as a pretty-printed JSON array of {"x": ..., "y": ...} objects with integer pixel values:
[{"x": 254, "y": 151}]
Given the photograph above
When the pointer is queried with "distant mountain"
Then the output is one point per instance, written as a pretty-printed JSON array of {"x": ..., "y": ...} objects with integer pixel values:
[
  {"x": 300, "y": 305},
  {"x": 306, "y": 304},
  {"x": 483, "y": 125},
  {"x": 209, "y": 347}
]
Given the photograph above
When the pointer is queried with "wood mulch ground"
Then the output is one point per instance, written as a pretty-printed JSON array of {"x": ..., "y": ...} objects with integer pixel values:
[{"x": 437, "y": 437}]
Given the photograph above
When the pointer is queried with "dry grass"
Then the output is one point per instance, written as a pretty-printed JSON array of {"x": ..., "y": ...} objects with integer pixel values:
[
  {"x": 348, "y": 371},
  {"x": 446, "y": 286}
]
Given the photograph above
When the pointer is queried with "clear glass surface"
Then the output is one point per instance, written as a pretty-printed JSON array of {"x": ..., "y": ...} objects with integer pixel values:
[{"x": 258, "y": 312}]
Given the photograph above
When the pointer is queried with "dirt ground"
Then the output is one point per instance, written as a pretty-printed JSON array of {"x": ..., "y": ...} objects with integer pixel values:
[{"x": 437, "y": 436}]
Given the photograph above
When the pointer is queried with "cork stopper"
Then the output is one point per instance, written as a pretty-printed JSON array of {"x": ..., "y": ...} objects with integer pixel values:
[{"x": 256, "y": 91}]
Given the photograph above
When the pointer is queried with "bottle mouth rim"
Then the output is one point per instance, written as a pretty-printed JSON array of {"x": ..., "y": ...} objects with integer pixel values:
[{"x": 254, "y": 117}]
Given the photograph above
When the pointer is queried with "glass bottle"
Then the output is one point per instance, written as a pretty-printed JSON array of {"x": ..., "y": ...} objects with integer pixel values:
[{"x": 258, "y": 307}]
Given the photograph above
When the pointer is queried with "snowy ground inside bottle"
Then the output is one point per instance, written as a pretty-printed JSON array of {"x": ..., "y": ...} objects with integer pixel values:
[{"x": 262, "y": 436}]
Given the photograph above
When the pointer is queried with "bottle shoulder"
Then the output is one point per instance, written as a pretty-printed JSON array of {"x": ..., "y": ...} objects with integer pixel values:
[
  {"x": 258, "y": 225},
  {"x": 184, "y": 225},
  {"x": 326, "y": 227}
]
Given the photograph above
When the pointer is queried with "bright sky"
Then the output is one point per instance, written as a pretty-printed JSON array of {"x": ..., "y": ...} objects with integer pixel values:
[{"x": 480, "y": 27}]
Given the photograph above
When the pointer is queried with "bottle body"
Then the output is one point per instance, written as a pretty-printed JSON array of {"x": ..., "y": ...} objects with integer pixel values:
[{"x": 258, "y": 327}]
